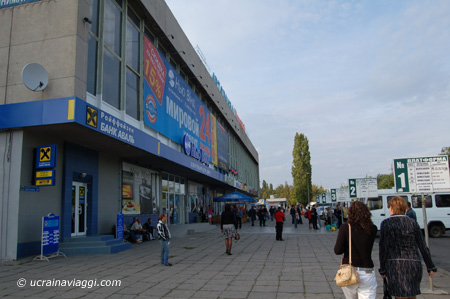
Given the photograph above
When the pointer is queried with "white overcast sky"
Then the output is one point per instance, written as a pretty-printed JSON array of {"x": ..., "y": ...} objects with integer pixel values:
[{"x": 365, "y": 81}]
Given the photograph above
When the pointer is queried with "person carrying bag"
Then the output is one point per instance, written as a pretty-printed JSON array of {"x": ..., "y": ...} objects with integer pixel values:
[
  {"x": 346, "y": 275},
  {"x": 359, "y": 225}
]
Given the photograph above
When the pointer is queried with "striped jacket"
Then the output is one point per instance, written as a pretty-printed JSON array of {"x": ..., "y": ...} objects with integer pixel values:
[{"x": 163, "y": 231}]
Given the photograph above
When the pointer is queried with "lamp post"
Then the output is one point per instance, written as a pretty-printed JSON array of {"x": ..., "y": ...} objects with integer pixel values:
[{"x": 309, "y": 199}]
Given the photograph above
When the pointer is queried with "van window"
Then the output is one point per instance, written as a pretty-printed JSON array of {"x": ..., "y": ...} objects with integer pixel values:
[
  {"x": 375, "y": 203},
  {"x": 392, "y": 196},
  {"x": 417, "y": 201},
  {"x": 442, "y": 200}
]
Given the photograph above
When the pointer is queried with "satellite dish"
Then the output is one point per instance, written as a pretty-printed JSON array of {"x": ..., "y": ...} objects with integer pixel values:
[{"x": 34, "y": 76}]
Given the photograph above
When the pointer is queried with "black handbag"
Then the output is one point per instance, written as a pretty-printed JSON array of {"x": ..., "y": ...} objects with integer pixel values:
[
  {"x": 386, "y": 295},
  {"x": 237, "y": 236}
]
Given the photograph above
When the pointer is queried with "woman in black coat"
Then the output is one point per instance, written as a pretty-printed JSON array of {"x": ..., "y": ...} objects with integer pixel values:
[{"x": 400, "y": 242}]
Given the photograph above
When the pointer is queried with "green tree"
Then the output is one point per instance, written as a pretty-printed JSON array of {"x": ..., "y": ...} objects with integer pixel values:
[
  {"x": 301, "y": 169},
  {"x": 385, "y": 181},
  {"x": 265, "y": 192},
  {"x": 285, "y": 191}
]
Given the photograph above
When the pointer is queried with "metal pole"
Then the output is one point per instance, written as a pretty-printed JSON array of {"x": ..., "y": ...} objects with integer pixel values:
[{"x": 425, "y": 227}]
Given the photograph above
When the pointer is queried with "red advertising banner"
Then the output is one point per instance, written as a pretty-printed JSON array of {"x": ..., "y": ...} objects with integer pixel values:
[{"x": 155, "y": 70}]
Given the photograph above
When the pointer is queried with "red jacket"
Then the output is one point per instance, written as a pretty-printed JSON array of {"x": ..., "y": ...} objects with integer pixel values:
[{"x": 279, "y": 216}]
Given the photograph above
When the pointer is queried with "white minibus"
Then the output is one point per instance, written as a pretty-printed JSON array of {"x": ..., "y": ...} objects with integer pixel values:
[{"x": 437, "y": 209}]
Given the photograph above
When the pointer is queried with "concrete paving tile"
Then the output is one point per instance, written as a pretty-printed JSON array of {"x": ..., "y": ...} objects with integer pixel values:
[
  {"x": 180, "y": 294},
  {"x": 240, "y": 287},
  {"x": 262, "y": 295},
  {"x": 207, "y": 294},
  {"x": 265, "y": 288},
  {"x": 234, "y": 294},
  {"x": 317, "y": 289},
  {"x": 214, "y": 287}
]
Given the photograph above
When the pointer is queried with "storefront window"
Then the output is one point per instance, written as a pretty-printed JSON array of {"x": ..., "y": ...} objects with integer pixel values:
[
  {"x": 139, "y": 190},
  {"x": 173, "y": 200}
]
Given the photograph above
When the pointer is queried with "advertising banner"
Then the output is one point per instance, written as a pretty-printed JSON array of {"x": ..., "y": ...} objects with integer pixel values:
[
  {"x": 214, "y": 139},
  {"x": 137, "y": 195},
  {"x": 171, "y": 107},
  {"x": 222, "y": 147}
]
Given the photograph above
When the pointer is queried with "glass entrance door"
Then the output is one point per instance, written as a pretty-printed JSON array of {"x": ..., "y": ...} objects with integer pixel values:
[{"x": 79, "y": 209}]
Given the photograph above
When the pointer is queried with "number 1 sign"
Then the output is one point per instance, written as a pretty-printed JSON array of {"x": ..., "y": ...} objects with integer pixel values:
[{"x": 423, "y": 174}]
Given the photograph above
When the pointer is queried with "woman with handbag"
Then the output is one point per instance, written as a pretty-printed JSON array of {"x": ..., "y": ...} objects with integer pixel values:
[
  {"x": 400, "y": 242},
  {"x": 360, "y": 232},
  {"x": 228, "y": 227}
]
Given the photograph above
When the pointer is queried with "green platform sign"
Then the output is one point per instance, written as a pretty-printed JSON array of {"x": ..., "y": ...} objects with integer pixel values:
[{"x": 422, "y": 174}]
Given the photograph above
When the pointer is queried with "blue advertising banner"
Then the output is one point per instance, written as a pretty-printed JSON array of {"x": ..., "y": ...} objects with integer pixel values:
[
  {"x": 50, "y": 234},
  {"x": 222, "y": 147},
  {"x": 171, "y": 107},
  {"x": 8, "y": 3},
  {"x": 120, "y": 224}
]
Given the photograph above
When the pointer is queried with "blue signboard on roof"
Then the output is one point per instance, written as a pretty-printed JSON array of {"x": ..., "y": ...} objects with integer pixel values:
[
  {"x": 74, "y": 110},
  {"x": 8, "y": 3}
]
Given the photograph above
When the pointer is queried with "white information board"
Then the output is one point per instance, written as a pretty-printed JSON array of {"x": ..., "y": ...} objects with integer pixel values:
[
  {"x": 362, "y": 188},
  {"x": 342, "y": 195},
  {"x": 422, "y": 174}
]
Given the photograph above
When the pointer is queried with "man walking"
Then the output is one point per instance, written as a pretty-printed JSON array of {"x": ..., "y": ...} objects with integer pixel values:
[
  {"x": 252, "y": 214},
  {"x": 410, "y": 212}
]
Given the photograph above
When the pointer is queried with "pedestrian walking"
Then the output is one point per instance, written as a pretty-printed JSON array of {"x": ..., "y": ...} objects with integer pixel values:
[
  {"x": 279, "y": 218},
  {"x": 228, "y": 227},
  {"x": 299, "y": 213},
  {"x": 363, "y": 236},
  {"x": 410, "y": 212},
  {"x": 400, "y": 242},
  {"x": 314, "y": 217},
  {"x": 239, "y": 217},
  {"x": 262, "y": 215},
  {"x": 252, "y": 214},
  {"x": 308, "y": 216},
  {"x": 292, "y": 212},
  {"x": 164, "y": 239},
  {"x": 210, "y": 214}
]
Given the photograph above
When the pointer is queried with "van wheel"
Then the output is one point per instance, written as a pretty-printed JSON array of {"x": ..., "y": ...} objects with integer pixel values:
[{"x": 435, "y": 231}]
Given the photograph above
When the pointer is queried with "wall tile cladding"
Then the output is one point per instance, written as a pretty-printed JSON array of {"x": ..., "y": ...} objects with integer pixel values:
[{"x": 44, "y": 32}]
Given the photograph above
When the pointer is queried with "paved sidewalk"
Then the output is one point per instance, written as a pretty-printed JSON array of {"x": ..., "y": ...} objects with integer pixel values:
[{"x": 303, "y": 266}]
